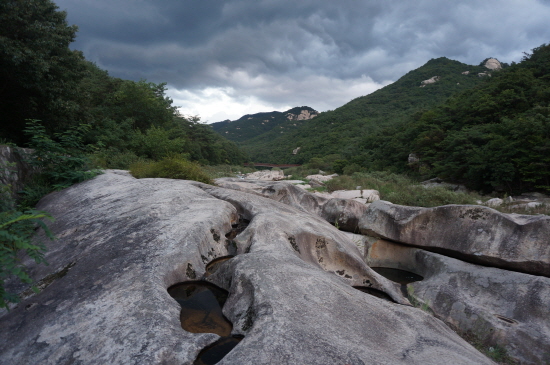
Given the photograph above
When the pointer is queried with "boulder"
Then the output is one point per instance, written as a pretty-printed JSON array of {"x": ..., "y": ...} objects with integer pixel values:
[
  {"x": 369, "y": 195},
  {"x": 343, "y": 213},
  {"x": 494, "y": 202},
  {"x": 431, "y": 80},
  {"x": 14, "y": 170},
  {"x": 472, "y": 233},
  {"x": 122, "y": 242},
  {"x": 495, "y": 308},
  {"x": 320, "y": 178},
  {"x": 493, "y": 64}
]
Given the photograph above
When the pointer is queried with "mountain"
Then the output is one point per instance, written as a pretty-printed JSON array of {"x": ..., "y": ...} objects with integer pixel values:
[
  {"x": 339, "y": 131},
  {"x": 252, "y": 125}
]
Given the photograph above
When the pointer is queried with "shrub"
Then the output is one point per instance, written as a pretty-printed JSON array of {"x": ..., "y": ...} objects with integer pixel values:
[
  {"x": 61, "y": 162},
  {"x": 171, "y": 167},
  {"x": 16, "y": 229},
  {"x": 114, "y": 159}
]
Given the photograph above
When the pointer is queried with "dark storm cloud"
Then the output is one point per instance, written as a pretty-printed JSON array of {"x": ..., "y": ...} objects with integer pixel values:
[{"x": 266, "y": 47}]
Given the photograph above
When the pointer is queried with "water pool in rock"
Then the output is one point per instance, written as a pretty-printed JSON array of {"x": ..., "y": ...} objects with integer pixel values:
[
  {"x": 375, "y": 292},
  {"x": 201, "y": 312},
  {"x": 397, "y": 275},
  {"x": 201, "y": 307},
  {"x": 214, "y": 353}
]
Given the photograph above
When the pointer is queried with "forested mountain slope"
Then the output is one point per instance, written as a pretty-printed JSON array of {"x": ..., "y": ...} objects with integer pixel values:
[
  {"x": 252, "y": 125},
  {"x": 495, "y": 136},
  {"x": 41, "y": 78},
  {"x": 339, "y": 131}
]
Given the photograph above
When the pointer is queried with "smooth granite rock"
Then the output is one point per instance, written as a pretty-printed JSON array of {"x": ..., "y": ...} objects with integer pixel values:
[
  {"x": 472, "y": 233},
  {"x": 122, "y": 242},
  {"x": 495, "y": 307}
]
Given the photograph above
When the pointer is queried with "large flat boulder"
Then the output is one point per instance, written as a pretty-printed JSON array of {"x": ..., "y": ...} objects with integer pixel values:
[
  {"x": 472, "y": 233},
  {"x": 122, "y": 242},
  {"x": 343, "y": 213},
  {"x": 495, "y": 308}
]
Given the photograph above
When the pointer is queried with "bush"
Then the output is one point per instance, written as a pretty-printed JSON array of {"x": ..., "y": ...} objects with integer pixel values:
[
  {"x": 114, "y": 159},
  {"x": 171, "y": 167},
  {"x": 16, "y": 230},
  {"x": 60, "y": 162}
]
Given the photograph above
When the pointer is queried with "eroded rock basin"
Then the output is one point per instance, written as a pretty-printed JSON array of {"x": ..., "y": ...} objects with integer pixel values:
[
  {"x": 397, "y": 275},
  {"x": 201, "y": 307},
  {"x": 201, "y": 312}
]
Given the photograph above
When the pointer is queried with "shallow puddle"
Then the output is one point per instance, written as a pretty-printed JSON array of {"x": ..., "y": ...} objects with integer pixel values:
[
  {"x": 397, "y": 275},
  {"x": 201, "y": 312},
  {"x": 201, "y": 307}
]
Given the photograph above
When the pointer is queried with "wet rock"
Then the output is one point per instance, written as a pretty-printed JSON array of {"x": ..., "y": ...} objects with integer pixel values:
[
  {"x": 492, "y": 306},
  {"x": 472, "y": 233},
  {"x": 290, "y": 285}
]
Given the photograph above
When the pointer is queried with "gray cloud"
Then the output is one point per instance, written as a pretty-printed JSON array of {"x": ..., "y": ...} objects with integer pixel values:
[{"x": 266, "y": 47}]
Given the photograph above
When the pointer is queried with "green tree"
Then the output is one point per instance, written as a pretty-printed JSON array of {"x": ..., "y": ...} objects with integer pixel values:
[{"x": 39, "y": 74}]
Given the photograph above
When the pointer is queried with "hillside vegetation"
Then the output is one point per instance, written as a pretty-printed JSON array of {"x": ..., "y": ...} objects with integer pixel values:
[
  {"x": 340, "y": 131},
  {"x": 495, "y": 136},
  {"x": 252, "y": 125},
  {"x": 491, "y": 132}
]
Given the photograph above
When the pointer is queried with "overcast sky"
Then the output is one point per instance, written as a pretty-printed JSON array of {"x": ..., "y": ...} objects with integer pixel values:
[{"x": 223, "y": 59}]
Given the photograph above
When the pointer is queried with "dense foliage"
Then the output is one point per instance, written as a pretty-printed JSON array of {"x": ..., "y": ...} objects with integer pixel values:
[
  {"x": 170, "y": 167},
  {"x": 16, "y": 230},
  {"x": 42, "y": 79},
  {"x": 39, "y": 74},
  {"x": 495, "y": 136}
]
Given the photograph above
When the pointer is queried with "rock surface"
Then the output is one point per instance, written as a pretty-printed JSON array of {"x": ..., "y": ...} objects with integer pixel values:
[
  {"x": 368, "y": 195},
  {"x": 344, "y": 213},
  {"x": 269, "y": 175},
  {"x": 472, "y": 233},
  {"x": 14, "y": 170},
  {"x": 431, "y": 80},
  {"x": 123, "y": 242},
  {"x": 498, "y": 307},
  {"x": 493, "y": 64}
]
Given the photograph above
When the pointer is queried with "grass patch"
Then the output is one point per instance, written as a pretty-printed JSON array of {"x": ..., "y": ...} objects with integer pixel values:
[
  {"x": 218, "y": 171},
  {"x": 171, "y": 167},
  {"x": 400, "y": 189}
]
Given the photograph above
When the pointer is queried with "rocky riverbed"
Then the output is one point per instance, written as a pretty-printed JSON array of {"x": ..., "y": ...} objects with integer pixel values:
[{"x": 299, "y": 290}]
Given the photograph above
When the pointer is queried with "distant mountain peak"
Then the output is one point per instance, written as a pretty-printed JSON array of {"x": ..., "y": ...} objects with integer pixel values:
[
  {"x": 493, "y": 64},
  {"x": 305, "y": 114}
]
